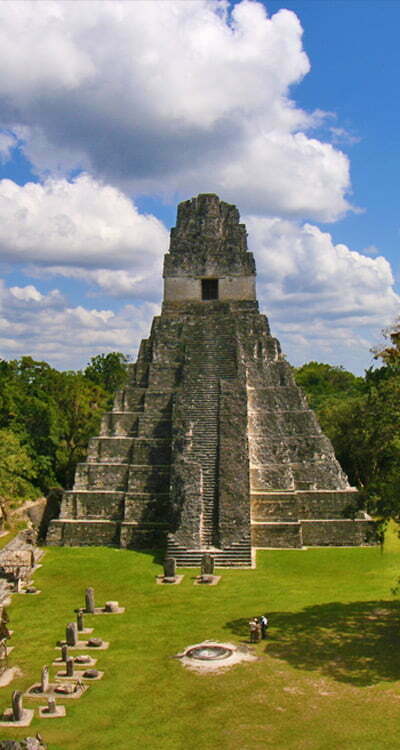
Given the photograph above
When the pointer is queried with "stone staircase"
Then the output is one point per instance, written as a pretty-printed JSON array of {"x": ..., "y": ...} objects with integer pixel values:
[
  {"x": 210, "y": 357},
  {"x": 238, "y": 555}
]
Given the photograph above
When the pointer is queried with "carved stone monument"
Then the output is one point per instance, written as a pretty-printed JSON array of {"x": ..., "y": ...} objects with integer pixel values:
[
  {"x": 169, "y": 567},
  {"x": 69, "y": 666},
  {"x": 44, "y": 680},
  {"x": 52, "y": 710},
  {"x": 89, "y": 601},
  {"x": 207, "y": 565},
  {"x": 71, "y": 634},
  {"x": 17, "y": 715},
  {"x": 17, "y": 705},
  {"x": 79, "y": 621},
  {"x": 210, "y": 446}
]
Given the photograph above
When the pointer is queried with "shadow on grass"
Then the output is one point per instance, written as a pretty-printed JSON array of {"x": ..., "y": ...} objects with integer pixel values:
[
  {"x": 157, "y": 554},
  {"x": 240, "y": 628},
  {"x": 357, "y": 643}
]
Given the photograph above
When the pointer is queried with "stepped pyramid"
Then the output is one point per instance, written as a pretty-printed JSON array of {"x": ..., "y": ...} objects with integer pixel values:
[{"x": 211, "y": 446}]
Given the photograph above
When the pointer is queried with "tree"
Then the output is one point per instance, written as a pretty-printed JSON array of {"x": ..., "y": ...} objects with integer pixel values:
[
  {"x": 16, "y": 470},
  {"x": 81, "y": 404},
  {"x": 108, "y": 370},
  {"x": 52, "y": 413},
  {"x": 361, "y": 416},
  {"x": 327, "y": 384},
  {"x": 29, "y": 393}
]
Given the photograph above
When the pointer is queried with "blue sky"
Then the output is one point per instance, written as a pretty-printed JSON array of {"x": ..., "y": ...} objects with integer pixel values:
[
  {"x": 112, "y": 112},
  {"x": 355, "y": 63}
]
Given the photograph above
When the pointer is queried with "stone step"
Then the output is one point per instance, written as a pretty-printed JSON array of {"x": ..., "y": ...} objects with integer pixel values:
[
  {"x": 237, "y": 555},
  {"x": 122, "y": 477},
  {"x": 130, "y": 398},
  {"x": 129, "y": 450}
]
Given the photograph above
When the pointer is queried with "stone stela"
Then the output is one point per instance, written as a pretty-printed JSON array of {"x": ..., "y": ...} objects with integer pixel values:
[
  {"x": 211, "y": 447},
  {"x": 169, "y": 567},
  {"x": 71, "y": 634},
  {"x": 17, "y": 705},
  {"x": 89, "y": 601}
]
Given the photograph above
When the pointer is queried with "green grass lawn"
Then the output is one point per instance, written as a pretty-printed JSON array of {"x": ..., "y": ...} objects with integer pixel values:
[{"x": 328, "y": 677}]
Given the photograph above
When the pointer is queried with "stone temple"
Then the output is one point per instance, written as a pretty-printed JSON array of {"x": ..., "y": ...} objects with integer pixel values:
[{"x": 211, "y": 446}]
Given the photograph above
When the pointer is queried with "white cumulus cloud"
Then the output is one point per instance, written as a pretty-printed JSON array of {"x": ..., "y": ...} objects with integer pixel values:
[
  {"x": 80, "y": 226},
  {"x": 47, "y": 328},
  {"x": 325, "y": 301},
  {"x": 171, "y": 96}
]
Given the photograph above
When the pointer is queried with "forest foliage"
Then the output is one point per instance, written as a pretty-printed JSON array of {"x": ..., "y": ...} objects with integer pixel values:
[
  {"x": 47, "y": 418},
  {"x": 361, "y": 416}
]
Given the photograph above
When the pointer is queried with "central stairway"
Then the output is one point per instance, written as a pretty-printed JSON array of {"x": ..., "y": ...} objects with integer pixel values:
[
  {"x": 210, "y": 357},
  {"x": 237, "y": 555}
]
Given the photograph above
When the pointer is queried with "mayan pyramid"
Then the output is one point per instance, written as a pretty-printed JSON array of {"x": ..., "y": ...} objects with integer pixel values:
[{"x": 211, "y": 446}]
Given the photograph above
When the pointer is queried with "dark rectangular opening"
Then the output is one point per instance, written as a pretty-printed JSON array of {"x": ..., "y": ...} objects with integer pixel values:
[{"x": 209, "y": 289}]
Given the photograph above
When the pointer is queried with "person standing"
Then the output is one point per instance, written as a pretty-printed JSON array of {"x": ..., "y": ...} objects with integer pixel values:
[
  {"x": 253, "y": 630},
  {"x": 263, "y": 620}
]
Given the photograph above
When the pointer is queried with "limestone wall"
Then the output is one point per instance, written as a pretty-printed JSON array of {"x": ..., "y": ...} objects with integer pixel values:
[
  {"x": 338, "y": 533},
  {"x": 187, "y": 289}
]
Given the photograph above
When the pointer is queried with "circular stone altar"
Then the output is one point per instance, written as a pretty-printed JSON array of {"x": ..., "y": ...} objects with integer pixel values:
[
  {"x": 207, "y": 653},
  {"x": 210, "y": 656}
]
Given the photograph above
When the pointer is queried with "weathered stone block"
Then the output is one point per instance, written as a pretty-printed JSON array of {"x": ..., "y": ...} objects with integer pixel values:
[
  {"x": 110, "y": 450},
  {"x": 154, "y": 426},
  {"x": 290, "y": 423},
  {"x": 338, "y": 533},
  {"x": 83, "y": 533},
  {"x": 130, "y": 398},
  {"x": 91, "y": 504},
  {"x": 110, "y": 476},
  {"x": 151, "y": 451},
  {"x": 159, "y": 402},
  {"x": 276, "y": 535},
  {"x": 271, "y": 477},
  {"x": 153, "y": 479},
  {"x": 274, "y": 507},
  {"x": 326, "y": 504},
  {"x": 162, "y": 376},
  {"x": 319, "y": 475},
  {"x": 115, "y": 424},
  {"x": 143, "y": 537},
  {"x": 276, "y": 398},
  {"x": 147, "y": 507}
]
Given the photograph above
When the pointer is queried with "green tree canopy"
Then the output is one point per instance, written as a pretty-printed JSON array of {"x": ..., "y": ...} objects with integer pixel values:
[
  {"x": 361, "y": 416},
  {"x": 16, "y": 470},
  {"x": 53, "y": 414},
  {"x": 108, "y": 370}
]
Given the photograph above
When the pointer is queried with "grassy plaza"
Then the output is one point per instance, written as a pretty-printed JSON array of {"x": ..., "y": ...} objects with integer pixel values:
[{"x": 328, "y": 675}]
